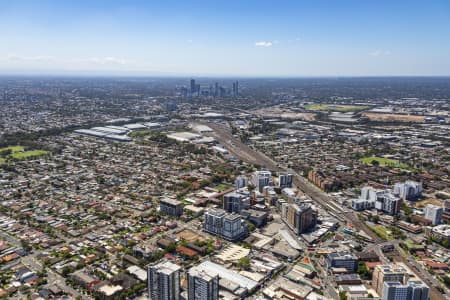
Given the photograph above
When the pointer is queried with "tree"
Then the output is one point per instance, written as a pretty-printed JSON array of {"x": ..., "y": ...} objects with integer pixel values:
[
  {"x": 375, "y": 163},
  {"x": 25, "y": 245},
  {"x": 363, "y": 271},
  {"x": 251, "y": 227},
  {"x": 171, "y": 247},
  {"x": 342, "y": 295},
  {"x": 244, "y": 262},
  {"x": 375, "y": 218},
  {"x": 406, "y": 209},
  {"x": 446, "y": 280},
  {"x": 445, "y": 243}
]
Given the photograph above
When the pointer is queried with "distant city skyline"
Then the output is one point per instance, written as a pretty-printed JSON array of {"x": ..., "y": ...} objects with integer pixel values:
[{"x": 225, "y": 38}]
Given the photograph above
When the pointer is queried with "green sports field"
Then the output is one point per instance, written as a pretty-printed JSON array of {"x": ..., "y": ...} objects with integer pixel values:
[
  {"x": 19, "y": 153},
  {"x": 384, "y": 162}
]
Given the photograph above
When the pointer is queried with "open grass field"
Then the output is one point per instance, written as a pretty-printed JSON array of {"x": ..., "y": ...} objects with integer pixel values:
[
  {"x": 384, "y": 162},
  {"x": 222, "y": 187},
  {"x": 28, "y": 154},
  {"x": 339, "y": 108},
  {"x": 382, "y": 232},
  {"x": 19, "y": 153}
]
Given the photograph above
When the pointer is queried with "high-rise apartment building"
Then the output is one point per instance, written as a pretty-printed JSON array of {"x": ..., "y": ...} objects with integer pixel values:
[
  {"x": 229, "y": 226},
  {"x": 260, "y": 179},
  {"x": 408, "y": 190},
  {"x": 433, "y": 213},
  {"x": 412, "y": 290},
  {"x": 299, "y": 217},
  {"x": 394, "y": 290},
  {"x": 285, "y": 180},
  {"x": 240, "y": 182},
  {"x": 382, "y": 200},
  {"x": 164, "y": 281},
  {"x": 236, "y": 201},
  {"x": 397, "y": 272},
  {"x": 202, "y": 285}
]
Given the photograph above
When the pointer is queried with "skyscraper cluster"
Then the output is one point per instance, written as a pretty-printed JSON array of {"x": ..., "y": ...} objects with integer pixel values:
[{"x": 216, "y": 90}]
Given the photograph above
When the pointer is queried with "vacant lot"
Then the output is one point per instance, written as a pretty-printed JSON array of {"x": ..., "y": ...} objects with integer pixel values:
[
  {"x": 393, "y": 117},
  {"x": 339, "y": 108},
  {"x": 423, "y": 203},
  {"x": 383, "y": 162},
  {"x": 382, "y": 232}
]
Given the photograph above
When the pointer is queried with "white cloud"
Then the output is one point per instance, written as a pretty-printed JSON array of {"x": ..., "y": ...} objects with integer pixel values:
[
  {"x": 378, "y": 53},
  {"x": 264, "y": 44}
]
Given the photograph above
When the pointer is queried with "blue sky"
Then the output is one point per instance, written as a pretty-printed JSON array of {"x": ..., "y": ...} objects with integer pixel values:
[{"x": 231, "y": 38}]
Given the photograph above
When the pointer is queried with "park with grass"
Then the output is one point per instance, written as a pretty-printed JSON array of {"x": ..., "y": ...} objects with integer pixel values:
[
  {"x": 19, "y": 153},
  {"x": 336, "y": 107},
  {"x": 383, "y": 162}
]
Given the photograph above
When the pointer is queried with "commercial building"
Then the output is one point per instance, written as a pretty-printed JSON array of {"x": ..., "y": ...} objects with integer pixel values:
[
  {"x": 229, "y": 280},
  {"x": 433, "y": 213},
  {"x": 344, "y": 260},
  {"x": 164, "y": 281},
  {"x": 229, "y": 226},
  {"x": 260, "y": 179},
  {"x": 388, "y": 273},
  {"x": 171, "y": 207},
  {"x": 408, "y": 190},
  {"x": 299, "y": 217},
  {"x": 202, "y": 285},
  {"x": 235, "y": 89},
  {"x": 193, "y": 87}
]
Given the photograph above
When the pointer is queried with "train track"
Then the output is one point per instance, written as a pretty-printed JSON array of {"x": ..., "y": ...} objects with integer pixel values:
[{"x": 249, "y": 155}]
